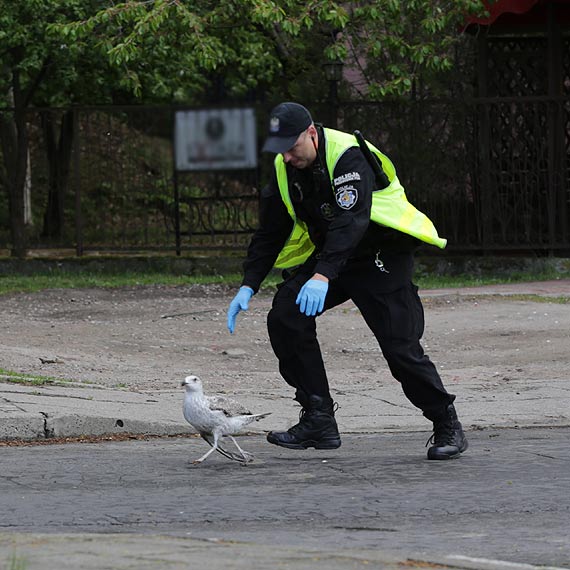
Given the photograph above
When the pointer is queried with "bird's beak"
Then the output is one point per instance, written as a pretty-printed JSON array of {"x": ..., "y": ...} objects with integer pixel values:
[{"x": 183, "y": 383}]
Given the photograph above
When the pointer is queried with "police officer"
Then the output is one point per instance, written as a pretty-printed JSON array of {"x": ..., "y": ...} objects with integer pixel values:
[{"x": 339, "y": 234}]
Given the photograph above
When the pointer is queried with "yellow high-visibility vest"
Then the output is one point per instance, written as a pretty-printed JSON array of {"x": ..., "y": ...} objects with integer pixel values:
[{"x": 390, "y": 206}]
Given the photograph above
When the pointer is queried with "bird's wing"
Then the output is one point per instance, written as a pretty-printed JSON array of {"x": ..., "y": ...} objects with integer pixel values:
[
  {"x": 229, "y": 454},
  {"x": 226, "y": 405}
]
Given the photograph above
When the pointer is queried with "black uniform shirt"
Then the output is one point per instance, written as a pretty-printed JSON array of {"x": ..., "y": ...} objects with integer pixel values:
[{"x": 337, "y": 215}]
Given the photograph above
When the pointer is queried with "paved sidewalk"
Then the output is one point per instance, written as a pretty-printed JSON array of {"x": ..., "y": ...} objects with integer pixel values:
[{"x": 72, "y": 410}]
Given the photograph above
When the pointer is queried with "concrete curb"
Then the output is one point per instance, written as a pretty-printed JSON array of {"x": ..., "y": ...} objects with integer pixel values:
[{"x": 66, "y": 411}]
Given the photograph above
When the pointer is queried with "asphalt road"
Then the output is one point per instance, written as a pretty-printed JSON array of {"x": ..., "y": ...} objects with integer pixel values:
[{"x": 507, "y": 498}]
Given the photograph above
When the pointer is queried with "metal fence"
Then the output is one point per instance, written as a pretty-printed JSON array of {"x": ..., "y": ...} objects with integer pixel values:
[{"x": 493, "y": 174}]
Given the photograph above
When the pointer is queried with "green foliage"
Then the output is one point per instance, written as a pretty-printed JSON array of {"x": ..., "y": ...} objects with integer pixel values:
[
  {"x": 94, "y": 51},
  {"x": 38, "y": 68},
  {"x": 170, "y": 48},
  {"x": 403, "y": 41},
  {"x": 174, "y": 48}
]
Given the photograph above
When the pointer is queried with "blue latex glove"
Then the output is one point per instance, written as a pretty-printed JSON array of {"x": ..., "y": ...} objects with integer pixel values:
[
  {"x": 238, "y": 304},
  {"x": 311, "y": 297}
]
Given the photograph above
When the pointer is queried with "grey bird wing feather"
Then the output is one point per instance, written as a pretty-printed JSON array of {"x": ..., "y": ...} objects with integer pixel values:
[
  {"x": 231, "y": 408},
  {"x": 228, "y": 406}
]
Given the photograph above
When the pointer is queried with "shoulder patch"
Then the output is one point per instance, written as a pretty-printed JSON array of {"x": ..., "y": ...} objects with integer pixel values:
[
  {"x": 347, "y": 177},
  {"x": 346, "y": 197}
]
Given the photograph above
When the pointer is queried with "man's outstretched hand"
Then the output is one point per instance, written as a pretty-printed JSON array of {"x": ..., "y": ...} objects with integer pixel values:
[{"x": 239, "y": 303}]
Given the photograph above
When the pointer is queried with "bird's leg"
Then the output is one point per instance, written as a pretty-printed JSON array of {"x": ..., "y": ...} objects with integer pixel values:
[
  {"x": 246, "y": 456},
  {"x": 214, "y": 448}
]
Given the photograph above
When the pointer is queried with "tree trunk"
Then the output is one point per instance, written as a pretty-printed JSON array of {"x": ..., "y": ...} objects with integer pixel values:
[
  {"x": 59, "y": 151},
  {"x": 28, "y": 214},
  {"x": 14, "y": 140}
]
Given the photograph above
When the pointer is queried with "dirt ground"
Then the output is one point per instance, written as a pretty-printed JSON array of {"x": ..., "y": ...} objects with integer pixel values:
[{"x": 150, "y": 337}]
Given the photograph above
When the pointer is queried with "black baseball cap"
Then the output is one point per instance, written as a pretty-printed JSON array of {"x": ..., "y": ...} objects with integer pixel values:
[{"x": 286, "y": 122}]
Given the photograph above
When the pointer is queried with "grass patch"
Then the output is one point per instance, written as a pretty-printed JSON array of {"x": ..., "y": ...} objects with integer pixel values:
[
  {"x": 539, "y": 299},
  {"x": 26, "y": 379},
  {"x": 454, "y": 281},
  {"x": 69, "y": 280},
  {"x": 81, "y": 280},
  {"x": 35, "y": 380},
  {"x": 17, "y": 563}
]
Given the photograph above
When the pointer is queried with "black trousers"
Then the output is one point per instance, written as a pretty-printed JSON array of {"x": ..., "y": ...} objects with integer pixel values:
[{"x": 392, "y": 309}]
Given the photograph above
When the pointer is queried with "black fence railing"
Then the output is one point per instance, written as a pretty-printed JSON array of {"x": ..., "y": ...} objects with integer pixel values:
[{"x": 493, "y": 174}]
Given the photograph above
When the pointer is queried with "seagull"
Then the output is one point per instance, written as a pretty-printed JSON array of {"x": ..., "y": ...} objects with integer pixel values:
[{"x": 215, "y": 417}]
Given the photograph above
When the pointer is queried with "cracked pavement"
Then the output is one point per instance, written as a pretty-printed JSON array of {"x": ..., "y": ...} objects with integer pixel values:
[{"x": 506, "y": 499}]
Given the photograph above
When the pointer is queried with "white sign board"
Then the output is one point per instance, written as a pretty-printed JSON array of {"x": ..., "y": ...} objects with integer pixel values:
[{"x": 215, "y": 139}]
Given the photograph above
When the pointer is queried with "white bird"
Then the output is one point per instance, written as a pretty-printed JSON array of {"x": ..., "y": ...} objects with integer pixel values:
[{"x": 215, "y": 417}]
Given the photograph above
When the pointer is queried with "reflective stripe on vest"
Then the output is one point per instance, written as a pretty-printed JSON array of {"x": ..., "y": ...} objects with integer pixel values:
[{"x": 390, "y": 206}]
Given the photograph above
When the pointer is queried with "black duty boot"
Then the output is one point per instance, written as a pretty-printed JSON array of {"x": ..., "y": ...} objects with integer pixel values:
[
  {"x": 448, "y": 438},
  {"x": 317, "y": 428}
]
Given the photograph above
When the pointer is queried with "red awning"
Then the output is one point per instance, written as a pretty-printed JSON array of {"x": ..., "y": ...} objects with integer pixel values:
[
  {"x": 500, "y": 7},
  {"x": 520, "y": 15}
]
